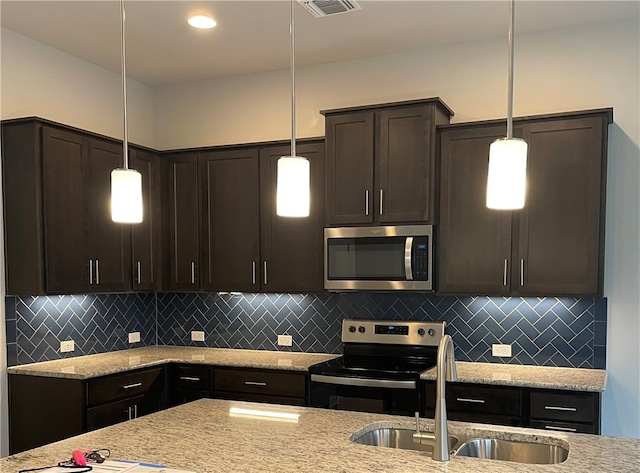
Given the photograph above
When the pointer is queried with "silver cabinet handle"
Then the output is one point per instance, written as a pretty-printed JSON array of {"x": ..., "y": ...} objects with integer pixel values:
[
  {"x": 504, "y": 274},
  {"x": 255, "y": 383},
  {"x": 408, "y": 271},
  {"x": 474, "y": 401},
  {"x": 129, "y": 386},
  {"x": 253, "y": 267},
  {"x": 266, "y": 279},
  {"x": 90, "y": 271},
  {"x": 189, "y": 378},
  {"x": 139, "y": 271},
  {"x": 366, "y": 201},
  {"x": 566, "y": 429},
  {"x": 135, "y": 411},
  {"x": 193, "y": 272},
  {"x": 522, "y": 272},
  {"x": 97, "y": 272},
  {"x": 557, "y": 408},
  {"x": 129, "y": 413},
  {"x": 380, "y": 201}
]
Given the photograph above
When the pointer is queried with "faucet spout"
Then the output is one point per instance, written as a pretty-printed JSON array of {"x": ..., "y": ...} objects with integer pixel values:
[{"x": 446, "y": 371}]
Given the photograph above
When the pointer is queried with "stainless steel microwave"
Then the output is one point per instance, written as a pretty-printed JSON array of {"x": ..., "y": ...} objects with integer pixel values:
[{"x": 379, "y": 258}]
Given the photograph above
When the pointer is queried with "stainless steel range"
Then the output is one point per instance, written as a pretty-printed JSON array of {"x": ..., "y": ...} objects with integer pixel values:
[{"x": 380, "y": 368}]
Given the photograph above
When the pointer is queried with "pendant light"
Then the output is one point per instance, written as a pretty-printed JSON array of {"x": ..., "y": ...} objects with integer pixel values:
[
  {"x": 126, "y": 184},
  {"x": 507, "y": 178},
  {"x": 292, "y": 187}
]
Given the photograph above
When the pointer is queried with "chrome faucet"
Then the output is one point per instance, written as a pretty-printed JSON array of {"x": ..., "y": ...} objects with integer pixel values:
[{"x": 445, "y": 371}]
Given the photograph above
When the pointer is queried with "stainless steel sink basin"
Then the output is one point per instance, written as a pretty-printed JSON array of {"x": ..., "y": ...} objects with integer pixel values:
[
  {"x": 397, "y": 438},
  {"x": 506, "y": 450}
]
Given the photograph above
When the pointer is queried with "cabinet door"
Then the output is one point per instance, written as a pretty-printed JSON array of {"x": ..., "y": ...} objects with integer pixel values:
[
  {"x": 474, "y": 242},
  {"x": 183, "y": 214},
  {"x": 292, "y": 248},
  {"x": 561, "y": 225},
  {"x": 350, "y": 143},
  {"x": 109, "y": 242},
  {"x": 65, "y": 227},
  {"x": 145, "y": 236},
  {"x": 405, "y": 165},
  {"x": 231, "y": 225}
]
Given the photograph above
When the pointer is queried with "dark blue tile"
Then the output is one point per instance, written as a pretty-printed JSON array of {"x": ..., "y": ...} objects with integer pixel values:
[
  {"x": 600, "y": 357},
  {"x": 10, "y": 307},
  {"x": 12, "y": 354},
  {"x": 601, "y": 309},
  {"x": 600, "y": 334},
  {"x": 11, "y": 331}
]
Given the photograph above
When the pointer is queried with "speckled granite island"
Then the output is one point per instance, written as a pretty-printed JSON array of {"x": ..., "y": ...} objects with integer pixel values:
[{"x": 204, "y": 437}]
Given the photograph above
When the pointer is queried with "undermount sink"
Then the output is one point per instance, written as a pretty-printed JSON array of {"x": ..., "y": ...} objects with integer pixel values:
[
  {"x": 506, "y": 450},
  {"x": 397, "y": 438}
]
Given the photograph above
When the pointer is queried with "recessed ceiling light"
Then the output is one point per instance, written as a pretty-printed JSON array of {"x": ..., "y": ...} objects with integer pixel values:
[{"x": 201, "y": 21}]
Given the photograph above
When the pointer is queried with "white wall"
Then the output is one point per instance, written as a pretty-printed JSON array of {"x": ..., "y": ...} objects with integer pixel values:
[
  {"x": 38, "y": 80},
  {"x": 556, "y": 71}
]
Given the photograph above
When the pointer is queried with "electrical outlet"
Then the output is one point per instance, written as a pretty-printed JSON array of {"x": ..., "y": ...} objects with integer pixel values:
[
  {"x": 503, "y": 351},
  {"x": 67, "y": 346},
  {"x": 134, "y": 337},
  {"x": 197, "y": 336},
  {"x": 285, "y": 340}
]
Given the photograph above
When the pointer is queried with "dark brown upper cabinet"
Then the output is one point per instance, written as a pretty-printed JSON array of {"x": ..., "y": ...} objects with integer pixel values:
[
  {"x": 380, "y": 162},
  {"x": 291, "y": 247},
  {"x": 554, "y": 246},
  {"x": 59, "y": 235},
  {"x": 145, "y": 236},
  {"x": 181, "y": 206}
]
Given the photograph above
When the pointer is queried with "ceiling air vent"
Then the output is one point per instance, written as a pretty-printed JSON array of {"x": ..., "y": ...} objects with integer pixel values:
[{"x": 320, "y": 8}]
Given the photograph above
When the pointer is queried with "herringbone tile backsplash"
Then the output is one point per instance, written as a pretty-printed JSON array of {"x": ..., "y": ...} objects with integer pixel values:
[{"x": 542, "y": 331}]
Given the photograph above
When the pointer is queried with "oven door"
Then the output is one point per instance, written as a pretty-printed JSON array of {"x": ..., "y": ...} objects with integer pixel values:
[{"x": 384, "y": 396}]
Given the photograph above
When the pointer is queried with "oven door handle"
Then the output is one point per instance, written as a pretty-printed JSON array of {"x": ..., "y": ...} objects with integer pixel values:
[{"x": 364, "y": 382}]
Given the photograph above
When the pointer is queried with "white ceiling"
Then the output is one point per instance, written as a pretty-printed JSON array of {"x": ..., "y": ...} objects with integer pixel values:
[{"x": 253, "y": 36}]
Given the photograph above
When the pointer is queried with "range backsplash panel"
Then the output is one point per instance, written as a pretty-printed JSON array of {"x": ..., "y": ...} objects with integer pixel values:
[
  {"x": 547, "y": 331},
  {"x": 96, "y": 323}
]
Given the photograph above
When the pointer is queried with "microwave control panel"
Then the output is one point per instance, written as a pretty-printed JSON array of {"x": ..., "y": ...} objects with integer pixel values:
[{"x": 421, "y": 258}]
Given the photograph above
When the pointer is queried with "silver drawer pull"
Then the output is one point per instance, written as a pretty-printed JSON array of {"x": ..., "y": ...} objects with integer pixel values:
[
  {"x": 134, "y": 385},
  {"x": 255, "y": 383},
  {"x": 475, "y": 401},
  {"x": 189, "y": 378},
  {"x": 566, "y": 429},
  {"x": 556, "y": 408}
]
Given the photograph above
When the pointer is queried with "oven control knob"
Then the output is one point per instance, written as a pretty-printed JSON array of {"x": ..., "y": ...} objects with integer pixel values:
[
  {"x": 432, "y": 332},
  {"x": 361, "y": 329},
  {"x": 352, "y": 329},
  {"x": 421, "y": 332}
]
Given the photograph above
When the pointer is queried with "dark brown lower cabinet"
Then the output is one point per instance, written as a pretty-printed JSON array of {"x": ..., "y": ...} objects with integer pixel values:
[
  {"x": 189, "y": 383},
  {"x": 255, "y": 385},
  {"x": 559, "y": 410}
]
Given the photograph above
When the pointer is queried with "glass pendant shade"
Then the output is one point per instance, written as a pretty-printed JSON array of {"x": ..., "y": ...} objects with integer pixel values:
[
  {"x": 126, "y": 196},
  {"x": 293, "y": 190},
  {"x": 506, "y": 183}
]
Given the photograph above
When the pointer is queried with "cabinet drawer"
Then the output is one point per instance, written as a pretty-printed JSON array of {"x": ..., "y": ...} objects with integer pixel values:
[
  {"x": 191, "y": 376},
  {"x": 478, "y": 398},
  {"x": 564, "y": 406},
  {"x": 122, "y": 386},
  {"x": 564, "y": 426},
  {"x": 260, "y": 382}
]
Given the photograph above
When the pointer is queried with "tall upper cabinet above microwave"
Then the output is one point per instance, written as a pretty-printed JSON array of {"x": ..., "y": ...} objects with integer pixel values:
[{"x": 380, "y": 162}]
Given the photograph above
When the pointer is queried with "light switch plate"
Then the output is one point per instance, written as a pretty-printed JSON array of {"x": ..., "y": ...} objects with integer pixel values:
[
  {"x": 503, "y": 351},
  {"x": 134, "y": 337},
  {"x": 197, "y": 336},
  {"x": 67, "y": 346},
  {"x": 285, "y": 340}
]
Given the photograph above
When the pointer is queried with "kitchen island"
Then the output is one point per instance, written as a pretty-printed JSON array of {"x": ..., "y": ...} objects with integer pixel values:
[{"x": 203, "y": 436}]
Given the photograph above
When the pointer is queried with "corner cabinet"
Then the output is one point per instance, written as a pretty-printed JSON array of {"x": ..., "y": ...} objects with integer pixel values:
[
  {"x": 555, "y": 244},
  {"x": 381, "y": 165},
  {"x": 59, "y": 235}
]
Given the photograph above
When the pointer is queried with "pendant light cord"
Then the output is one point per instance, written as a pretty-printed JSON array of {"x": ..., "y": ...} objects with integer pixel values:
[
  {"x": 123, "y": 64},
  {"x": 292, "y": 33},
  {"x": 510, "y": 88}
]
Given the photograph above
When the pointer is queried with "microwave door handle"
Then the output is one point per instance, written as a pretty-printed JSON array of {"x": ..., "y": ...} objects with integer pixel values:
[{"x": 408, "y": 247}]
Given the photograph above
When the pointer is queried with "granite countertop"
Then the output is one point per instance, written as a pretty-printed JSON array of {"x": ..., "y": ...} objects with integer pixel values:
[
  {"x": 575, "y": 379},
  {"x": 91, "y": 366},
  {"x": 205, "y": 438}
]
